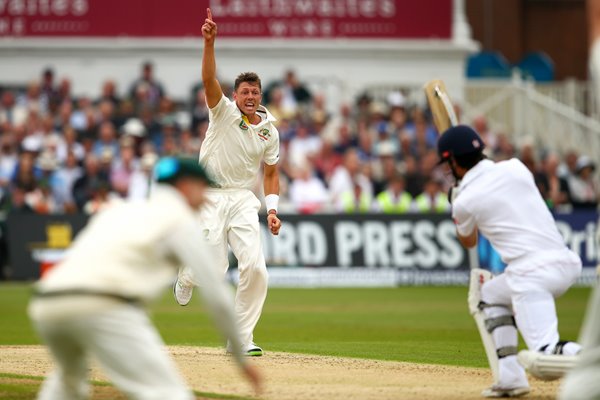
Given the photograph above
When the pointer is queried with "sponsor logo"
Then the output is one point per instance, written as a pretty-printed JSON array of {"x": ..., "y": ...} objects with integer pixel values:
[{"x": 243, "y": 125}]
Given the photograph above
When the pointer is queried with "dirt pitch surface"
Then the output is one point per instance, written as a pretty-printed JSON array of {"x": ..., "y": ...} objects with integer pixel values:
[{"x": 302, "y": 377}]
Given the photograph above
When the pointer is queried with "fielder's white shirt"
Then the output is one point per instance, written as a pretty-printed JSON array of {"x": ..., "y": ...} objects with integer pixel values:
[
  {"x": 134, "y": 249},
  {"x": 233, "y": 148},
  {"x": 502, "y": 200}
]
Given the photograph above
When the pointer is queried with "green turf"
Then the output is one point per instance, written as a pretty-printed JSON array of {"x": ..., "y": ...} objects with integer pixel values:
[{"x": 418, "y": 324}]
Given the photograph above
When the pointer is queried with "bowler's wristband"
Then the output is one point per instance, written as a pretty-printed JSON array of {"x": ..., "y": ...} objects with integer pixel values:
[{"x": 271, "y": 201}]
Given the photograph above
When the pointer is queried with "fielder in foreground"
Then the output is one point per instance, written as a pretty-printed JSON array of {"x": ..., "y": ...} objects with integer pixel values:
[
  {"x": 502, "y": 201},
  {"x": 582, "y": 382},
  {"x": 240, "y": 136},
  {"x": 91, "y": 304}
]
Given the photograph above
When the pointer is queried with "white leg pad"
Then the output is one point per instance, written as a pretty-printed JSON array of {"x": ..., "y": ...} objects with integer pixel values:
[
  {"x": 546, "y": 366},
  {"x": 478, "y": 278}
]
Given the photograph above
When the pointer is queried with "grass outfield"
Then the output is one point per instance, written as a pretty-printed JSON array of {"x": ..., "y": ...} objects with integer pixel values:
[{"x": 416, "y": 324}]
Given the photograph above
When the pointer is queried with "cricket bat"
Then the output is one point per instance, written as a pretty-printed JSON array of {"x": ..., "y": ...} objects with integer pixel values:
[{"x": 444, "y": 117}]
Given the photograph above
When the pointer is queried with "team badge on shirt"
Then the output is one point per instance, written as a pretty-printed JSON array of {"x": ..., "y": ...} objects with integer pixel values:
[
  {"x": 264, "y": 134},
  {"x": 243, "y": 125}
]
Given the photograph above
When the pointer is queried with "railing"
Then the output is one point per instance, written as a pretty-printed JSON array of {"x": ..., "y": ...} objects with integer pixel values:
[
  {"x": 558, "y": 116},
  {"x": 551, "y": 115}
]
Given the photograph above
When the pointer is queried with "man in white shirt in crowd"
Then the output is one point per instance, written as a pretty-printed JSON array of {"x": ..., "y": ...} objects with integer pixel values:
[
  {"x": 91, "y": 303},
  {"x": 240, "y": 137}
]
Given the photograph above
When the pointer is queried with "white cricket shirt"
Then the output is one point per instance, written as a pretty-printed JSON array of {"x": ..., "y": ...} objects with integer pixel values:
[
  {"x": 502, "y": 200},
  {"x": 233, "y": 148}
]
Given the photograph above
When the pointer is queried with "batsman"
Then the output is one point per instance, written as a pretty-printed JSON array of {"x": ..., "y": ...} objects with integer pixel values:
[{"x": 501, "y": 201}]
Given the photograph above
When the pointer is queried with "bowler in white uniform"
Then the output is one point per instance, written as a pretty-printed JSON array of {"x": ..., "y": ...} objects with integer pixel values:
[
  {"x": 240, "y": 137},
  {"x": 91, "y": 304},
  {"x": 502, "y": 201}
]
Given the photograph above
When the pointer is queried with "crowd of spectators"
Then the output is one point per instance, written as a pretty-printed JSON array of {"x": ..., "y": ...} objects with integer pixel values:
[{"x": 60, "y": 153}]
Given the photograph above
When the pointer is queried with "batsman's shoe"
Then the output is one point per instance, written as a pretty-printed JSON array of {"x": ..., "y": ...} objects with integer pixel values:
[
  {"x": 496, "y": 391},
  {"x": 182, "y": 293},
  {"x": 252, "y": 350},
  {"x": 546, "y": 366}
]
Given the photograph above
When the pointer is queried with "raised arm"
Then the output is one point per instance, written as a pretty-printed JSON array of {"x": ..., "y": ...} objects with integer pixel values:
[{"x": 209, "y": 66}]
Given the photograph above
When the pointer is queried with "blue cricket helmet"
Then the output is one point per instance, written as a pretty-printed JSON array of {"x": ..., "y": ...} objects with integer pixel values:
[{"x": 459, "y": 141}]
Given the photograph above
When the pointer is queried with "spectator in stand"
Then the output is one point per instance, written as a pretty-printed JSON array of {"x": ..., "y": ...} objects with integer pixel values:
[
  {"x": 84, "y": 186},
  {"x": 317, "y": 110},
  {"x": 109, "y": 93},
  {"x": 25, "y": 174},
  {"x": 107, "y": 141},
  {"x": 11, "y": 114},
  {"x": 189, "y": 144},
  {"x": 83, "y": 118},
  {"x": 423, "y": 134},
  {"x": 63, "y": 115},
  {"x": 384, "y": 166},
  {"x": 554, "y": 188},
  {"x": 33, "y": 99},
  {"x": 433, "y": 199},
  {"x": 124, "y": 167},
  {"x": 346, "y": 139},
  {"x": 308, "y": 193},
  {"x": 295, "y": 94},
  {"x": 153, "y": 128},
  {"x": 199, "y": 109},
  {"x": 355, "y": 200},
  {"x": 16, "y": 200},
  {"x": 8, "y": 160},
  {"x": 125, "y": 112},
  {"x": 415, "y": 181},
  {"x": 395, "y": 199},
  {"x": 365, "y": 144},
  {"x": 568, "y": 168},
  {"x": 139, "y": 184},
  {"x": 304, "y": 146},
  {"x": 65, "y": 178},
  {"x": 347, "y": 176},
  {"x": 504, "y": 149},
  {"x": 582, "y": 187},
  {"x": 277, "y": 107},
  {"x": 69, "y": 144},
  {"x": 146, "y": 90},
  {"x": 327, "y": 161},
  {"x": 106, "y": 112},
  {"x": 47, "y": 87},
  {"x": 63, "y": 93},
  {"x": 480, "y": 125},
  {"x": 101, "y": 198},
  {"x": 331, "y": 130}
]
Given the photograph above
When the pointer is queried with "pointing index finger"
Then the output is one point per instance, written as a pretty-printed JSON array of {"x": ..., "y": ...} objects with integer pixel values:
[{"x": 209, "y": 14}]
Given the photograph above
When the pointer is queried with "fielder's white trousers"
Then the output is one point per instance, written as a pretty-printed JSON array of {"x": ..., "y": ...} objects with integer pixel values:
[
  {"x": 582, "y": 382},
  {"x": 230, "y": 217},
  {"x": 125, "y": 343}
]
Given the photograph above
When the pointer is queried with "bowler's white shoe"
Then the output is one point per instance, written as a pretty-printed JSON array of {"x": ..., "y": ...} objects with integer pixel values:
[
  {"x": 497, "y": 391},
  {"x": 182, "y": 293},
  {"x": 250, "y": 350}
]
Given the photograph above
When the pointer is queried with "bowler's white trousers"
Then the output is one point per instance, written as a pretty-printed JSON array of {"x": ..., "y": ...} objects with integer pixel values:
[
  {"x": 230, "y": 217},
  {"x": 120, "y": 337}
]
